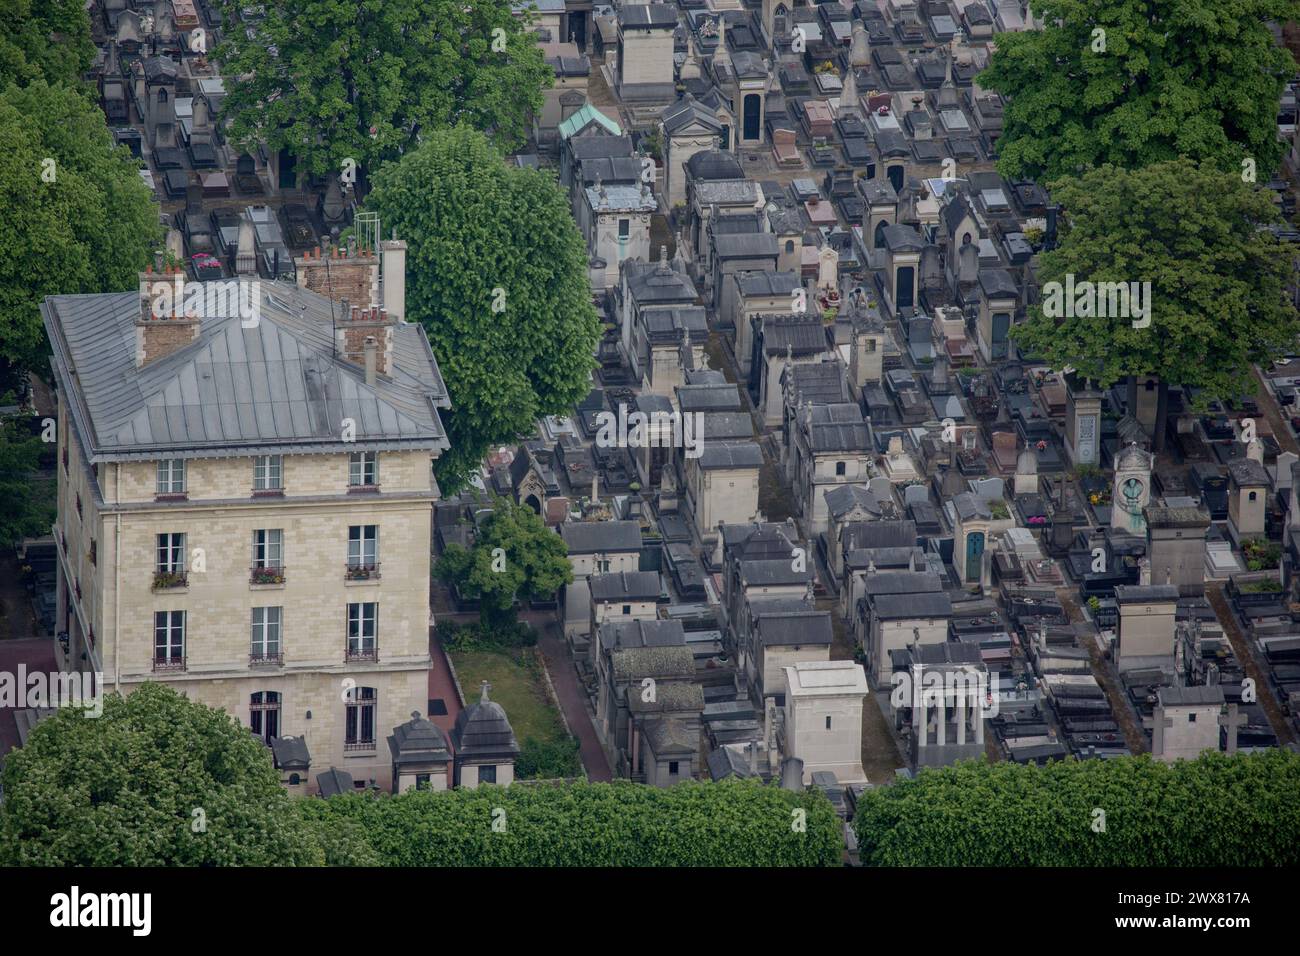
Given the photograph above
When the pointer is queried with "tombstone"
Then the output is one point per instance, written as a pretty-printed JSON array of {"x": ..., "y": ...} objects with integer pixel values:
[
  {"x": 1062, "y": 525},
  {"x": 968, "y": 264},
  {"x": 1082, "y": 424},
  {"x": 1132, "y": 490},
  {"x": 333, "y": 207},
  {"x": 1232, "y": 720},
  {"x": 1026, "y": 477},
  {"x": 860, "y": 47},
  {"x": 828, "y": 261},
  {"x": 1004, "y": 449},
  {"x": 1282, "y": 470},
  {"x": 1255, "y": 451}
]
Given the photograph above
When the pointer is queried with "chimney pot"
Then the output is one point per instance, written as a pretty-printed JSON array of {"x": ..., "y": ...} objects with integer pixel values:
[{"x": 354, "y": 314}]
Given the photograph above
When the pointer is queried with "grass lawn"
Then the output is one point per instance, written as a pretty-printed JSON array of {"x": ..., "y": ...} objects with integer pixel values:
[{"x": 517, "y": 685}]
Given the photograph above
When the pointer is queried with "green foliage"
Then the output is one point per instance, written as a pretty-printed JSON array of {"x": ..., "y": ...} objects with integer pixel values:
[
  {"x": 122, "y": 789},
  {"x": 44, "y": 39},
  {"x": 365, "y": 79},
  {"x": 91, "y": 230},
  {"x": 497, "y": 273},
  {"x": 481, "y": 636},
  {"x": 29, "y": 504},
  {"x": 732, "y": 823},
  {"x": 535, "y": 562},
  {"x": 1261, "y": 555},
  {"x": 548, "y": 760},
  {"x": 1218, "y": 302},
  {"x": 1198, "y": 78},
  {"x": 1213, "y": 811}
]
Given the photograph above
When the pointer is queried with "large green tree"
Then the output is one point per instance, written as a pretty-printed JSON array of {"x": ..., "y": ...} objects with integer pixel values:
[
  {"x": 29, "y": 502},
  {"x": 78, "y": 218},
  {"x": 44, "y": 39},
  {"x": 332, "y": 80},
  {"x": 155, "y": 780},
  {"x": 1218, "y": 280},
  {"x": 1129, "y": 811},
  {"x": 497, "y": 273},
  {"x": 515, "y": 555},
  {"x": 1163, "y": 78}
]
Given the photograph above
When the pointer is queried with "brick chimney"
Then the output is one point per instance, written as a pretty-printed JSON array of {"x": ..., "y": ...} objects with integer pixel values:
[
  {"x": 161, "y": 327},
  {"x": 347, "y": 274},
  {"x": 353, "y": 275},
  {"x": 365, "y": 337}
]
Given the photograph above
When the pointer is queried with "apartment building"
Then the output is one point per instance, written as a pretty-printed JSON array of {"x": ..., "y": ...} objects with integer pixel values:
[{"x": 245, "y": 500}]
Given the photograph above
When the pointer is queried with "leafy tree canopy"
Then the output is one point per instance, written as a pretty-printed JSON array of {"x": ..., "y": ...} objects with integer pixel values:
[
  {"x": 90, "y": 229},
  {"x": 732, "y": 823},
  {"x": 155, "y": 780},
  {"x": 514, "y": 555},
  {"x": 1212, "y": 811},
  {"x": 1218, "y": 300},
  {"x": 1169, "y": 78},
  {"x": 497, "y": 273},
  {"x": 332, "y": 80},
  {"x": 29, "y": 503},
  {"x": 44, "y": 39}
]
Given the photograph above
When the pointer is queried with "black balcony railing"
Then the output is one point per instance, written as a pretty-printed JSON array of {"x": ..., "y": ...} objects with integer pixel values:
[
  {"x": 166, "y": 664},
  {"x": 357, "y": 745},
  {"x": 358, "y": 571},
  {"x": 163, "y": 580},
  {"x": 266, "y": 575},
  {"x": 265, "y": 657},
  {"x": 357, "y": 652}
]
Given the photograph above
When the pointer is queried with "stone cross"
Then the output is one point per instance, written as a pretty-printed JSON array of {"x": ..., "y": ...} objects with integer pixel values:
[
  {"x": 1157, "y": 724},
  {"x": 1232, "y": 720}
]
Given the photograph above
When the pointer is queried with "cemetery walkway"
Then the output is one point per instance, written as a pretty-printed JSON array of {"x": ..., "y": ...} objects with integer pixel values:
[
  {"x": 1242, "y": 650},
  {"x": 573, "y": 700}
]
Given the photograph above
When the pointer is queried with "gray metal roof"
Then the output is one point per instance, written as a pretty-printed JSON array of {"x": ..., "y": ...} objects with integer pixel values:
[
  {"x": 482, "y": 730},
  {"x": 591, "y": 537},
  {"x": 274, "y": 387},
  {"x": 625, "y": 586},
  {"x": 917, "y": 604},
  {"x": 731, "y": 455}
]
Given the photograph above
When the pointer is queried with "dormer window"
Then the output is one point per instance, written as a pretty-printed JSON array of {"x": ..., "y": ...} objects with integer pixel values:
[
  {"x": 363, "y": 469},
  {"x": 268, "y": 473},
  {"x": 171, "y": 476}
]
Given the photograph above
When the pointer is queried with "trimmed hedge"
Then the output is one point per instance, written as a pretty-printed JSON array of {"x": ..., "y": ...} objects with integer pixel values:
[
  {"x": 732, "y": 823},
  {"x": 1213, "y": 811}
]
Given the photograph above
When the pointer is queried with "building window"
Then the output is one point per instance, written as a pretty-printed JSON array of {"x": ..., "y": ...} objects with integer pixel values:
[
  {"x": 171, "y": 476},
  {"x": 422, "y": 781},
  {"x": 789, "y": 246},
  {"x": 672, "y": 767},
  {"x": 828, "y": 722},
  {"x": 265, "y": 635},
  {"x": 840, "y": 468},
  {"x": 624, "y": 229},
  {"x": 627, "y": 609},
  {"x": 94, "y": 552},
  {"x": 363, "y": 627},
  {"x": 359, "y": 720},
  {"x": 363, "y": 469},
  {"x": 268, "y": 473},
  {"x": 169, "y": 639},
  {"x": 1191, "y": 718},
  {"x": 363, "y": 547},
  {"x": 170, "y": 569},
  {"x": 264, "y": 714},
  {"x": 602, "y": 566},
  {"x": 268, "y": 548},
  {"x": 487, "y": 773},
  {"x": 1253, "y": 496}
]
